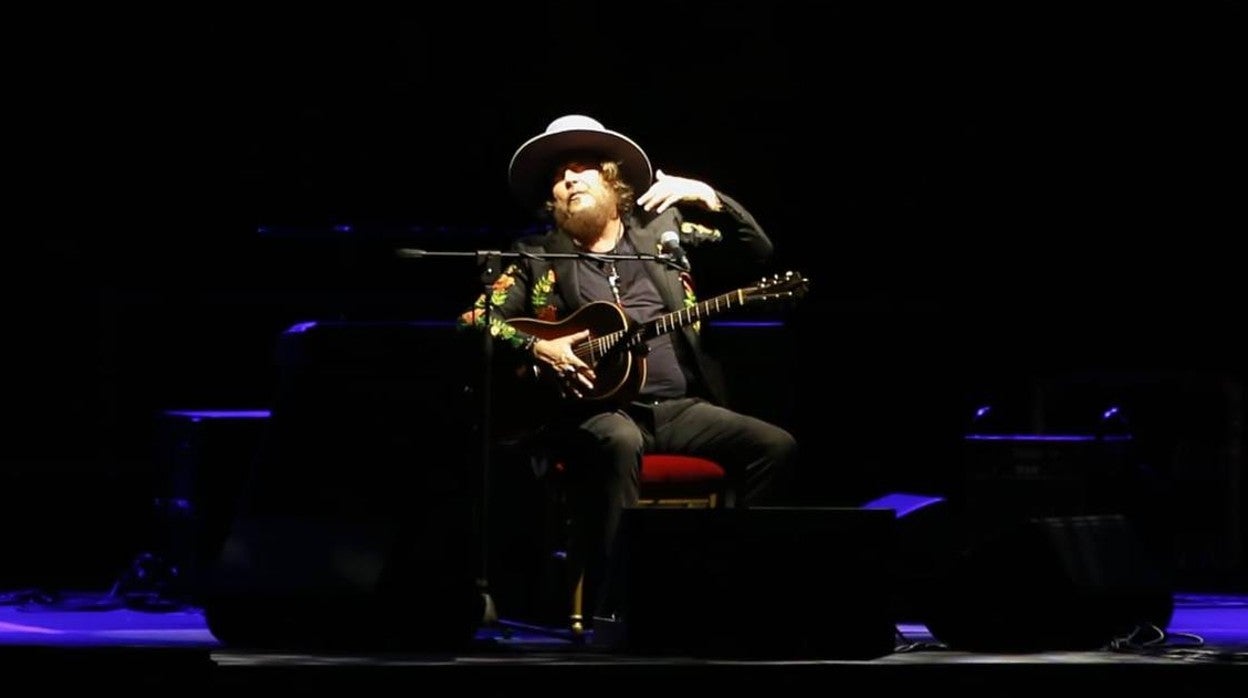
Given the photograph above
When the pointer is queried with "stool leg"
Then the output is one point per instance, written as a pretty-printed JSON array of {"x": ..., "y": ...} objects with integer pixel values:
[{"x": 578, "y": 606}]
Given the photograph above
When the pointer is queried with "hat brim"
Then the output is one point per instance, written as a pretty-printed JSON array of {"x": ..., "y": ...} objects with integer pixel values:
[{"x": 532, "y": 167}]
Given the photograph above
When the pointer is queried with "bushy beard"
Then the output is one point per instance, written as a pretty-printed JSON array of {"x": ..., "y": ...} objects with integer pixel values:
[{"x": 585, "y": 224}]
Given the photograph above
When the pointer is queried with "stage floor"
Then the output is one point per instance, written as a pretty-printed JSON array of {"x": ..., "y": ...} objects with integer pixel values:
[{"x": 91, "y": 639}]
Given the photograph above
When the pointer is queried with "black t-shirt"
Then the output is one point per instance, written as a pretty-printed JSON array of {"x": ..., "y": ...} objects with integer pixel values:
[{"x": 641, "y": 302}]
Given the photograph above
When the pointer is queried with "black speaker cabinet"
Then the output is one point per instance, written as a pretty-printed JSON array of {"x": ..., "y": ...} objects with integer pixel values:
[
  {"x": 308, "y": 583},
  {"x": 356, "y": 526},
  {"x": 1014, "y": 477},
  {"x": 775, "y": 582},
  {"x": 1053, "y": 583},
  {"x": 208, "y": 455}
]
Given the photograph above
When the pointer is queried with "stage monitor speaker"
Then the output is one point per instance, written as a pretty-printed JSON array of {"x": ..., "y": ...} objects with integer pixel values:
[
  {"x": 926, "y": 540},
  {"x": 773, "y": 582},
  {"x": 1056, "y": 583},
  {"x": 356, "y": 526},
  {"x": 304, "y": 583}
]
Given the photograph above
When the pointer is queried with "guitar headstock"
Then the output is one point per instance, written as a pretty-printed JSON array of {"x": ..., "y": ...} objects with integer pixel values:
[{"x": 790, "y": 284}]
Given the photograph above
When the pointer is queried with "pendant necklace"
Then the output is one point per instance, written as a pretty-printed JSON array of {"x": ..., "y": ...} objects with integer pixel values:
[{"x": 613, "y": 279}]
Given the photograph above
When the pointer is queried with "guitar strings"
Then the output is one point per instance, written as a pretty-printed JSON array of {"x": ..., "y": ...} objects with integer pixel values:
[{"x": 600, "y": 345}]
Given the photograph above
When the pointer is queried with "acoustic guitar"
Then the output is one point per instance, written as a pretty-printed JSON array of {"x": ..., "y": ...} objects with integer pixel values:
[{"x": 615, "y": 349}]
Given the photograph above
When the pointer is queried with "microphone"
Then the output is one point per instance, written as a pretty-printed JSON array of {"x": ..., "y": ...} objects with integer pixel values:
[{"x": 669, "y": 242}]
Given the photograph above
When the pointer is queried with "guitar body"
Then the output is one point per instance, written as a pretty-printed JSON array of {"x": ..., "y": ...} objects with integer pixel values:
[
  {"x": 616, "y": 347},
  {"x": 619, "y": 374}
]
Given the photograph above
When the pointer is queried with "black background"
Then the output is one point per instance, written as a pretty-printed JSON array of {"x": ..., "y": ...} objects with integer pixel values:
[{"x": 1031, "y": 204}]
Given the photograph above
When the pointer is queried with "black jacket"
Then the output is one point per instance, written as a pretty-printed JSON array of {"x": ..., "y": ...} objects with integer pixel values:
[{"x": 546, "y": 289}]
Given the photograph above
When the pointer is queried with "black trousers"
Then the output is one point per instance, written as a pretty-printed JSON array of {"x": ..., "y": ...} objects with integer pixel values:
[{"x": 602, "y": 454}]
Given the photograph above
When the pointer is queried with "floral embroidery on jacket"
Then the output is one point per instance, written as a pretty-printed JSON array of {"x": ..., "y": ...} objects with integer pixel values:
[
  {"x": 539, "y": 300},
  {"x": 699, "y": 231},
  {"x": 498, "y": 295},
  {"x": 691, "y": 297}
]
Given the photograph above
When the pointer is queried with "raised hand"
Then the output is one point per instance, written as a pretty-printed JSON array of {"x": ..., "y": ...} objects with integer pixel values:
[{"x": 668, "y": 190}]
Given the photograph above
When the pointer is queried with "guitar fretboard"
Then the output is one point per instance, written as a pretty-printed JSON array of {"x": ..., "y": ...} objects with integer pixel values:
[{"x": 599, "y": 346}]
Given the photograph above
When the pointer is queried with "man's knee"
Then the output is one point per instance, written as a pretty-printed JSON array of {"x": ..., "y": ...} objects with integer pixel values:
[
  {"x": 623, "y": 440},
  {"x": 780, "y": 447}
]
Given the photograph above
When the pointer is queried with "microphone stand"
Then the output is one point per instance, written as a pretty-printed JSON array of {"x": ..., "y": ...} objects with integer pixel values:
[{"x": 490, "y": 264}]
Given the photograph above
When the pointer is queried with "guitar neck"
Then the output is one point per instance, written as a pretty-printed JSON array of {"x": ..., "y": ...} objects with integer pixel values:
[
  {"x": 788, "y": 286},
  {"x": 694, "y": 313},
  {"x": 669, "y": 322}
]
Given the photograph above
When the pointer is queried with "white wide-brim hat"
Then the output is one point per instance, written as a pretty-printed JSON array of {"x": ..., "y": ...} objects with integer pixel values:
[{"x": 532, "y": 167}]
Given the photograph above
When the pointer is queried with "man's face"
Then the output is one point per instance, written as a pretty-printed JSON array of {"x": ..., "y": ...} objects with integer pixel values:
[{"x": 584, "y": 201}]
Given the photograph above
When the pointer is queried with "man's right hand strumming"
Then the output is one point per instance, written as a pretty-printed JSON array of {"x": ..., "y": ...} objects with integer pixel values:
[{"x": 558, "y": 355}]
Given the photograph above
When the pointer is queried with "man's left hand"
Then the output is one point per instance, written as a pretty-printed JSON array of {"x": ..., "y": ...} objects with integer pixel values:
[{"x": 668, "y": 190}]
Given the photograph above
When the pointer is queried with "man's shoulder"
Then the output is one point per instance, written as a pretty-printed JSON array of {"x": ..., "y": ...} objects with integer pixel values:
[{"x": 649, "y": 223}]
